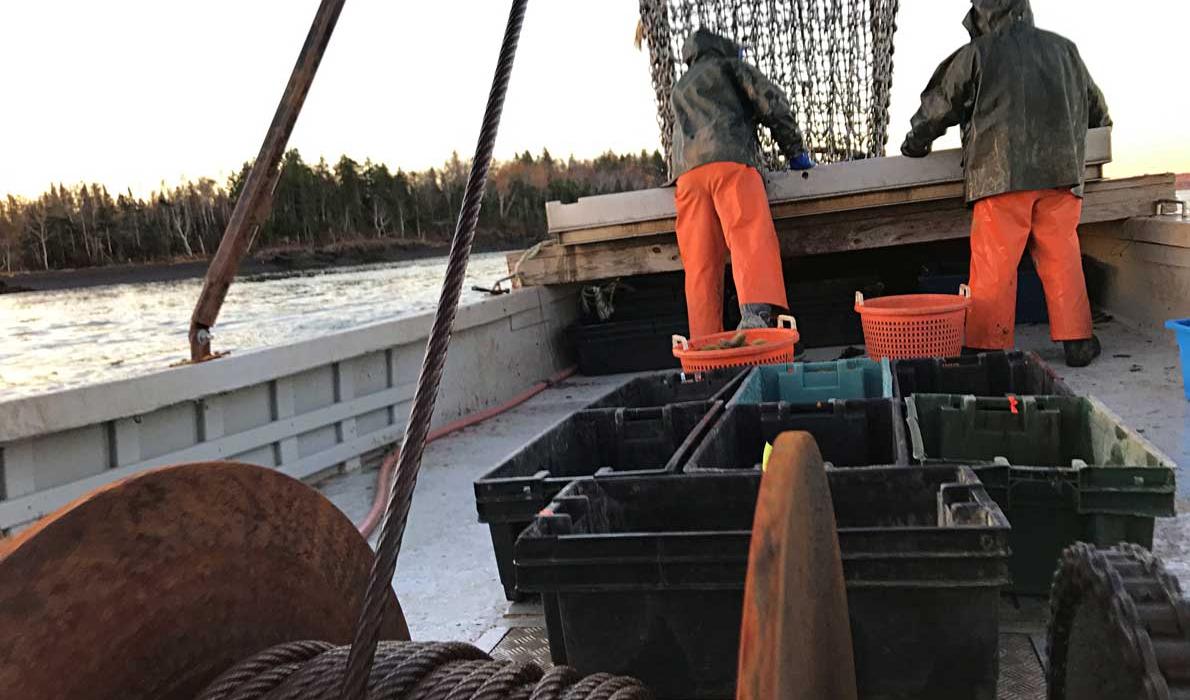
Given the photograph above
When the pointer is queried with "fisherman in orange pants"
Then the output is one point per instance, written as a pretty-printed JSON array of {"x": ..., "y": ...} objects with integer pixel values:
[
  {"x": 1025, "y": 100},
  {"x": 721, "y": 200}
]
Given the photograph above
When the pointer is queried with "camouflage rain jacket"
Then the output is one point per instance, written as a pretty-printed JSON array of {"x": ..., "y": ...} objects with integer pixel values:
[
  {"x": 718, "y": 105},
  {"x": 1024, "y": 99}
]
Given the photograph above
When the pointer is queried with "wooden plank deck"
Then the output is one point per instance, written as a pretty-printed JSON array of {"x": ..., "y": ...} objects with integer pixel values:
[
  {"x": 861, "y": 221},
  {"x": 828, "y": 188},
  {"x": 781, "y": 208}
]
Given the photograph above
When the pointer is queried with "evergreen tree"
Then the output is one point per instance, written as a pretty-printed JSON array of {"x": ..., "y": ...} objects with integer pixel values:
[{"x": 313, "y": 205}]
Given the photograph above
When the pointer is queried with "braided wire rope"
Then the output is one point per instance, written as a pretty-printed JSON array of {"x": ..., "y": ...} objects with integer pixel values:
[
  {"x": 309, "y": 670},
  {"x": 417, "y": 430}
]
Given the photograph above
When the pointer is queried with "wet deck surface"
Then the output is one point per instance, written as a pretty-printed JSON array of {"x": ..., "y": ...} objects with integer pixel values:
[
  {"x": 447, "y": 580},
  {"x": 1022, "y": 645},
  {"x": 446, "y": 575}
]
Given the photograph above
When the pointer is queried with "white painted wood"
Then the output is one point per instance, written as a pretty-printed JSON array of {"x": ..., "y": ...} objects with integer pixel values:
[
  {"x": 317, "y": 464},
  {"x": 283, "y": 408},
  {"x": 390, "y": 366},
  {"x": 346, "y": 430},
  {"x": 505, "y": 345},
  {"x": 211, "y": 418},
  {"x": 1161, "y": 230},
  {"x": 246, "y": 408},
  {"x": 38, "y": 415},
  {"x": 68, "y": 455},
  {"x": 126, "y": 442},
  {"x": 170, "y": 429},
  {"x": 230, "y": 446},
  {"x": 18, "y": 469},
  {"x": 1139, "y": 270},
  {"x": 832, "y": 180}
]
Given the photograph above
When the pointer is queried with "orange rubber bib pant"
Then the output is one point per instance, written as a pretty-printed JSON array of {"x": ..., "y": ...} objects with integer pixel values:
[
  {"x": 724, "y": 207},
  {"x": 1000, "y": 232}
]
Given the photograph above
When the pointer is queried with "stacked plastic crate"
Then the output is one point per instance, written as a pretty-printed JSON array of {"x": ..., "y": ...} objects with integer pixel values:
[
  {"x": 633, "y": 519},
  {"x": 1063, "y": 468},
  {"x": 648, "y": 426}
]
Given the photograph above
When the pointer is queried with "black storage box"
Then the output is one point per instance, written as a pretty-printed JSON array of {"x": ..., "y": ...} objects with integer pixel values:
[
  {"x": 665, "y": 388},
  {"x": 1030, "y": 293},
  {"x": 1063, "y": 469},
  {"x": 618, "y": 347},
  {"x": 638, "y": 298},
  {"x": 985, "y": 374},
  {"x": 645, "y": 576},
  {"x": 825, "y": 310},
  {"x": 854, "y": 433},
  {"x": 617, "y": 440}
]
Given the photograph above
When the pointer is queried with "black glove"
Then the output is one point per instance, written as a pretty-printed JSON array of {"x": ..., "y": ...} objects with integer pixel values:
[{"x": 914, "y": 149}]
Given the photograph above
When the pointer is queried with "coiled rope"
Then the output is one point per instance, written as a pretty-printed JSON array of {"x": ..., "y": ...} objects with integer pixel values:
[{"x": 412, "y": 671}]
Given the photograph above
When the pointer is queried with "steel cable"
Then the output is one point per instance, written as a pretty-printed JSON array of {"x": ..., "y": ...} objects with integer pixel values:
[
  {"x": 417, "y": 430},
  {"x": 412, "y": 671}
]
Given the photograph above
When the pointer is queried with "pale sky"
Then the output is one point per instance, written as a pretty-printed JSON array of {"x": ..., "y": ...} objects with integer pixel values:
[{"x": 131, "y": 93}]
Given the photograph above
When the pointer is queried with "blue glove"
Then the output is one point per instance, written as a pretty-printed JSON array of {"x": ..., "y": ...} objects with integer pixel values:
[{"x": 802, "y": 162}]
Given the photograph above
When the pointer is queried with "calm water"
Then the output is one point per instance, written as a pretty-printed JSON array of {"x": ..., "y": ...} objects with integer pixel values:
[{"x": 55, "y": 340}]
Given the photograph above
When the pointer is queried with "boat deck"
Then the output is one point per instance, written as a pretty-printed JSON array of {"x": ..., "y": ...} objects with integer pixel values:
[
  {"x": 1023, "y": 621},
  {"x": 446, "y": 576}
]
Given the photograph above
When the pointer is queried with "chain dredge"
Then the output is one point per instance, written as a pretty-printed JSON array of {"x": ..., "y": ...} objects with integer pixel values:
[
  {"x": 832, "y": 57},
  {"x": 1118, "y": 627},
  {"x": 412, "y": 671},
  {"x": 417, "y": 431}
]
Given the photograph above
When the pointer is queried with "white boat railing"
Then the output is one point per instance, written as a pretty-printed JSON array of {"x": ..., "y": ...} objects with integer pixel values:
[{"x": 307, "y": 409}]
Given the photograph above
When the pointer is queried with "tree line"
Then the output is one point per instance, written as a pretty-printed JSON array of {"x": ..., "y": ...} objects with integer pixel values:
[{"x": 313, "y": 206}]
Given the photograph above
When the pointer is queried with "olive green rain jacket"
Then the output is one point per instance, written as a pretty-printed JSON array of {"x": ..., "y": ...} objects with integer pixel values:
[
  {"x": 718, "y": 105},
  {"x": 1024, "y": 100}
]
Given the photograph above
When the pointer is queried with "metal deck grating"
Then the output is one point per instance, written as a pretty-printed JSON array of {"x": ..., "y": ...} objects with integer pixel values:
[
  {"x": 1021, "y": 676},
  {"x": 525, "y": 644}
]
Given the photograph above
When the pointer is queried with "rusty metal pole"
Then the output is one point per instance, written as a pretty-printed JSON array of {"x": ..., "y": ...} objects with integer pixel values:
[{"x": 256, "y": 200}]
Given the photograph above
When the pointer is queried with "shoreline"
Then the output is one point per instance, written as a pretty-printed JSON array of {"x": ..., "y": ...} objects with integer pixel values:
[{"x": 271, "y": 261}]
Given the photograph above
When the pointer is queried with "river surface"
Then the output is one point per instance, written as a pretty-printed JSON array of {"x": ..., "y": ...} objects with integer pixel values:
[{"x": 60, "y": 339}]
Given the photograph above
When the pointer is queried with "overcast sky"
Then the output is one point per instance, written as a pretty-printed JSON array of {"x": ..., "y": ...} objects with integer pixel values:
[{"x": 132, "y": 93}]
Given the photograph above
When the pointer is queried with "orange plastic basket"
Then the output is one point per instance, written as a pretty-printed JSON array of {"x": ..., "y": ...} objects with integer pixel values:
[
  {"x": 778, "y": 348},
  {"x": 914, "y": 325}
]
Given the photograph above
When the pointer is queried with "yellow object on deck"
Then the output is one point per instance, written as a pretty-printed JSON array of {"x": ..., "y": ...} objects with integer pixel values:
[{"x": 764, "y": 461}]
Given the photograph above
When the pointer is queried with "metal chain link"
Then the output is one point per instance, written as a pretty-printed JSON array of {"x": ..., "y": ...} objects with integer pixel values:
[
  {"x": 1144, "y": 605},
  {"x": 663, "y": 65},
  {"x": 832, "y": 57}
]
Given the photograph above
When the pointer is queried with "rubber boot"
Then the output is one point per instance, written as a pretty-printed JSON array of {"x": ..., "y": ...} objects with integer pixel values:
[
  {"x": 1080, "y": 353},
  {"x": 755, "y": 316}
]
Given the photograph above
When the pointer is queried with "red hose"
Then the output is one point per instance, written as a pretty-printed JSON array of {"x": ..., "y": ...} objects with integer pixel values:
[{"x": 384, "y": 478}]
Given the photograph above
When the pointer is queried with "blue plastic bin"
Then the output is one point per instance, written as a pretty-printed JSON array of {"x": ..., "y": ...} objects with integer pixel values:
[
  {"x": 1182, "y": 329},
  {"x": 815, "y": 382}
]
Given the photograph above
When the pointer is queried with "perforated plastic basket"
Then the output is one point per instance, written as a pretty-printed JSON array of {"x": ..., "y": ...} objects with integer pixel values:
[
  {"x": 777, "y": 347},
  {"x": 914, "y": 325}
]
